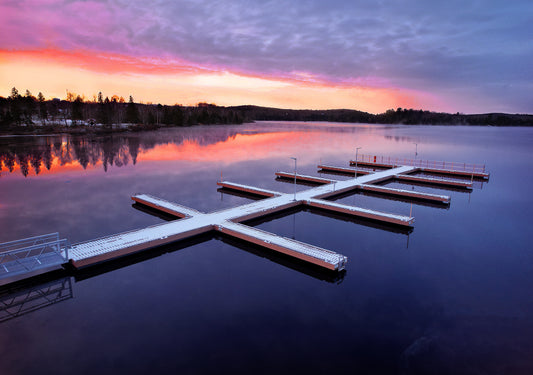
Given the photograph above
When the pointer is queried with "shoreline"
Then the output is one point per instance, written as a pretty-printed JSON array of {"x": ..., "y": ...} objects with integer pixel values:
[{"x": 83, "y": 130}]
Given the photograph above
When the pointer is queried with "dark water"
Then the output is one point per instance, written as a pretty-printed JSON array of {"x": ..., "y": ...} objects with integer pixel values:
[{"x": 454, "y": 296}]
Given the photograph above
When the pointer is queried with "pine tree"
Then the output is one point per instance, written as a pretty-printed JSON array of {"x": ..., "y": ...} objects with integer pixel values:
[
  {"x": 104, "y": 115},
  {"x": 29, "y": 107},
  {"x": 132, "y": 114},
  {"x": 77, "y": 109},
  {"x": 15, "y": 105},
  {"x": 43, "y": 114}
]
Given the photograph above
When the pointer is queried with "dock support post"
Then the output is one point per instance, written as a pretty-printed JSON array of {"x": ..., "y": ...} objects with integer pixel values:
[
  {"x": 356, "y": 150},
  {"x": 295, "y": 161}
]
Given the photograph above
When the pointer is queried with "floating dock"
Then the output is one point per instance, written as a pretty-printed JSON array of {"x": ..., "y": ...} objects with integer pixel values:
[
  {"x": 304, "y": 178},
  {"x": 167, "y": 207},
  {"x": 118, "y": 245},
  {"x": 451, "y": 172},
  {"x": 372, "y": 164},
  {"x": 248, "y": 189},
  {"x": 430, "y": 166},
  {"x": 434, "y": 181},
  {"x": 230, "y": 221},
  {"x": 111, "y": 247},
  {"x": 361, "y": 212},
  {"x": 193, "y": 222},
  {"x": 445, "y": 199},
  {"x": 351, "y": 171},
  {"x": 342, "y": 208},
  {"x": 296, "y": 249}
]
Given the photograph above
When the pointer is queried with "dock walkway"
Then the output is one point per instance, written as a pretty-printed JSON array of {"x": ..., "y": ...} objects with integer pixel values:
[
  {"x": 332, "y": 168},
  {"x": 430, "y": 166},
  {"x": 164, "y": 206},
  {"x": 194, "y": 222}
]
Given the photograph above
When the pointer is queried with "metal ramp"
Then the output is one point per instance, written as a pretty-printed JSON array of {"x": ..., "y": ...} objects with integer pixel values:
[{"x": 32, "y": 254}]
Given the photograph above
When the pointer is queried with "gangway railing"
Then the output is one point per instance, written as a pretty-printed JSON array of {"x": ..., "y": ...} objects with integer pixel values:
[
  {"x": 31, "y": 254},
  {"x": 449, "y": 165}
]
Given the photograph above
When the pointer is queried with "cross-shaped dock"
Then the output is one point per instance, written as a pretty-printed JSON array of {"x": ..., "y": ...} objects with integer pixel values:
[{"x": 228, "y": 221}]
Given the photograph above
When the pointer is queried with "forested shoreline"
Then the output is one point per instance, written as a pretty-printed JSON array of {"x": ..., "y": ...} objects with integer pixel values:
[
  {"x": 29, "y": 114},
  {"x": 23, "y": 114},
  {"x": 391, "y": 116}
]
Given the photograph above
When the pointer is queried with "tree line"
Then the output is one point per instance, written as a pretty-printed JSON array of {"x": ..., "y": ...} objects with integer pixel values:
[
  {"x": 23, "y": 113},
  {"x": 391, "y": 116},
  {"x": 27, "y": 112}
]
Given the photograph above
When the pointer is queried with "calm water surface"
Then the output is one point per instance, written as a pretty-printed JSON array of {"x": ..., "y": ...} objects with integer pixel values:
[{"x": 452, "y": 296}]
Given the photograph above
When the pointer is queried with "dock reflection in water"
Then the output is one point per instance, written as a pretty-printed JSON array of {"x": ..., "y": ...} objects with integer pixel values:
[
  {"x": 30, "y": 295},
  {"x": 35, "y": 294}
]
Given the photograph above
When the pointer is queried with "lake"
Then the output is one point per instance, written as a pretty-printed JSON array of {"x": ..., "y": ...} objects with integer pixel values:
[{"x": 452, "y": 296}]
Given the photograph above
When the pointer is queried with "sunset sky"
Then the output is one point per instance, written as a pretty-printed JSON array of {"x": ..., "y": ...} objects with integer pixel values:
[{"x": 454, "y": 56}]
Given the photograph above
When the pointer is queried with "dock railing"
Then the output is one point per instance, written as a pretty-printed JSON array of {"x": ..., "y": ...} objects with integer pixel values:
[
  {"x": 31, "y": 254},
  {"x": 449, "y": 165}
]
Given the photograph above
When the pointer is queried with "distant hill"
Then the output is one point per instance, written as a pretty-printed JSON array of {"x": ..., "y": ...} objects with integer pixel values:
[{"x": 398, "y": 116}]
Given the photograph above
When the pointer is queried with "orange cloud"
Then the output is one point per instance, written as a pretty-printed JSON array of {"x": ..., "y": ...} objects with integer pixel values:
[{"x": 109, "y": 63}]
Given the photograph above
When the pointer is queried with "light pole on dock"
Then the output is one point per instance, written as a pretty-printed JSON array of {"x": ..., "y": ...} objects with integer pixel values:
[
  {"x": 295, "y": 161},
  {"x": 356, "y": 150},
  {"x": 416, "y": 149}
]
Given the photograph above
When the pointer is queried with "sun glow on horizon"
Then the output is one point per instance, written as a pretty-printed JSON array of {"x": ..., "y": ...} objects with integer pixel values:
[{"x": 171, "y": 81}]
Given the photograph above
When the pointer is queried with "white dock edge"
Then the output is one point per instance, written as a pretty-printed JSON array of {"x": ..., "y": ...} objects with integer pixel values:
[
  {"x": 361, "y": 212},
  {"x": 248, "y": 189},
  {"x": 465, "y": 173},
  {"x": 301, "y": 177},
  {"x": 114, "y": 246},
  {"x": 405, "y": 193},
  {"x": 165, "y": 206},
  {"x": 332, "y": 168},
  {"x": 435, "y": 181},
  {"x": 312, "y": 254}
]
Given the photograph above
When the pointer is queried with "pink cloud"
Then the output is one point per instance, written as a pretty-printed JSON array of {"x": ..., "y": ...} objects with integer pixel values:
[{"x": 104, "y": 62}]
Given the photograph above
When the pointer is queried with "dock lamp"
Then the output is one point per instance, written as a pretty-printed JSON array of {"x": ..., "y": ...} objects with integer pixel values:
[
  {"x": 295, "y": 161},
  {"x": 356, "y": 150}
]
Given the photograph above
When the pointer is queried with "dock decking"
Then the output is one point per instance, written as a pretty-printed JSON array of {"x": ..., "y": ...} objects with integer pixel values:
[
  {"x": 430, "y": 166},
  {"x": 304, "y": 178},
  {"x": 159, "y": 204},
  {"x": 435, "y": 181},
  {"x": 445, "y": 199},
  {"x": 111, "y": 247},
  {"x": 331, "y": 168},
  {"x": 361, "y": 212},
  {"x": 248, "y": 189},
  {"x": 303, "y": 251},
  {"x": 482, "y": 175}
]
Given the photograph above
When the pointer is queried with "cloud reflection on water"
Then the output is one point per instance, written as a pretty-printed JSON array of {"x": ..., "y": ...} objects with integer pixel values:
[{"x": 59, "y": 154}]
